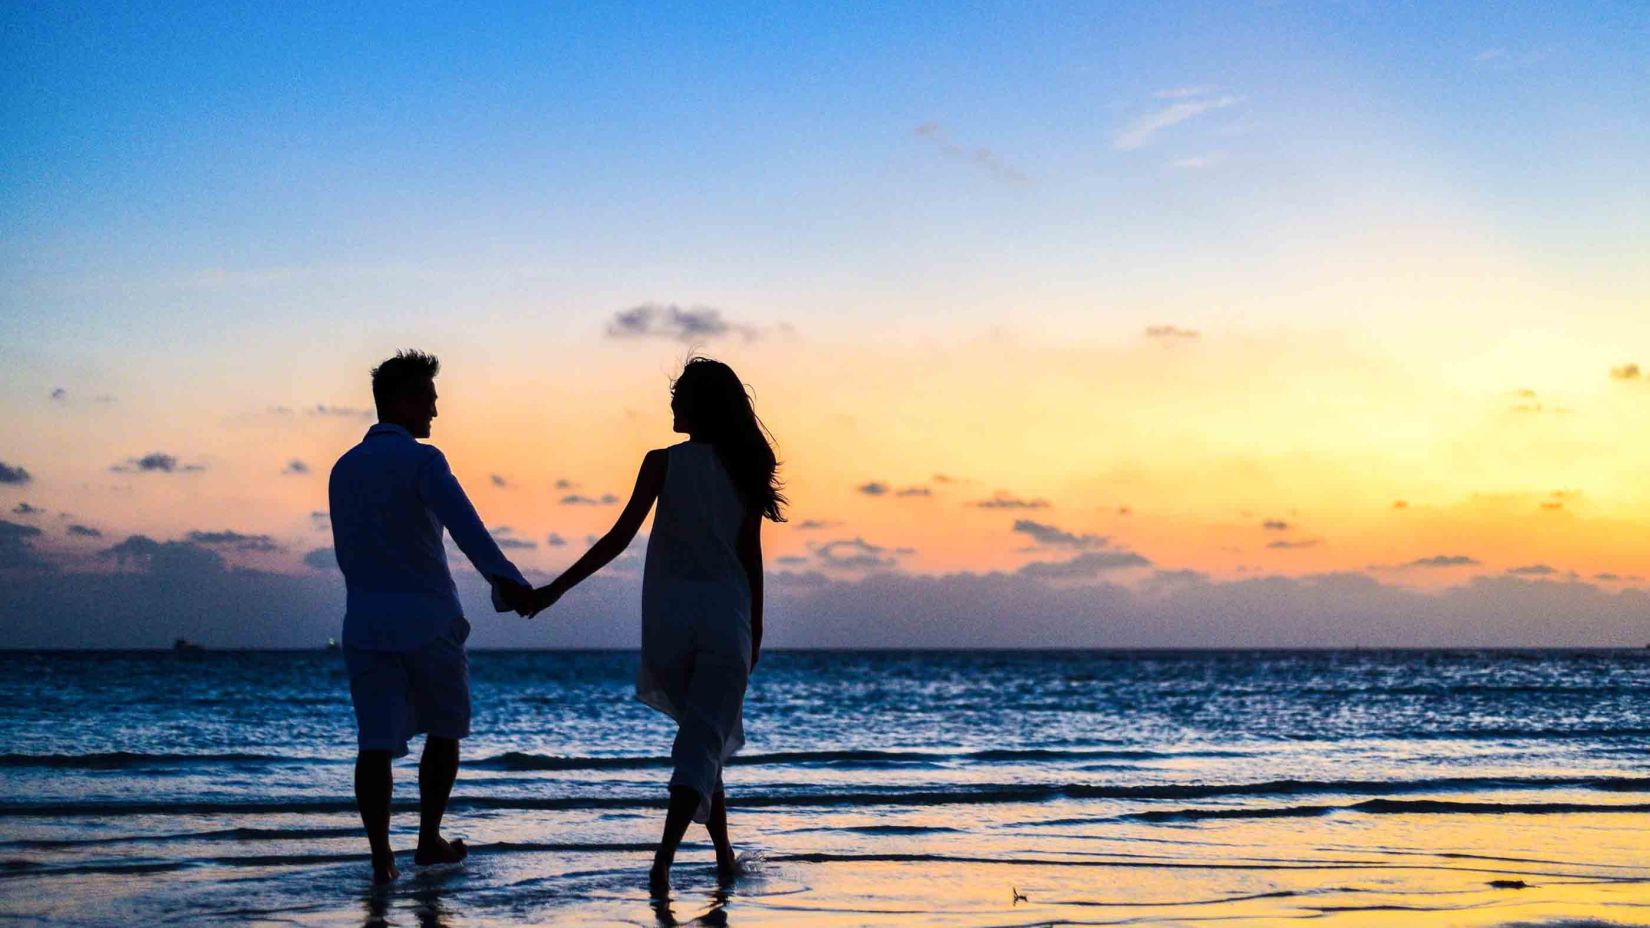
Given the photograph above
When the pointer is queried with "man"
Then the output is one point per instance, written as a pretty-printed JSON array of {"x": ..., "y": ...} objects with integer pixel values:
[{"x": 404, "y": 630}]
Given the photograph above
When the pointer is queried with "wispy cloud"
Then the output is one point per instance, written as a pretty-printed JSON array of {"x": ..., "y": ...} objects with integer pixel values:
[
  {"x": 1054, "y": 537},
  {"x": 237, "y": 541},
  {"x": 984, "y": 158},
  {"x": 156, "y": 462},
  {"x": 1626, "y": 372},
  {"x": 1089, "y": 564},
  {"x": 295, "y": 468},
  {"x": 16, "y": 476},
  {"x": 1003, "y": 500},
  {"x": 1144, "y": 129},
  {"x": 577, "y": 499},
  {"x": 1172, "y": 333},
  {"x": 856, "y": 554},
  {"x": 683, "y": 324}
]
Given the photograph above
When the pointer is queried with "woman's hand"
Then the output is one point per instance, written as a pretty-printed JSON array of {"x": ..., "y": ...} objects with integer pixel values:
[{"x": 543, "y": 598}]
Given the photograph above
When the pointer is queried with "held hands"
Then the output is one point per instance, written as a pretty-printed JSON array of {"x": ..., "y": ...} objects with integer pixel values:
[
  {"x": 541, "y": 599},
  {"x": 514, "y": 596}
]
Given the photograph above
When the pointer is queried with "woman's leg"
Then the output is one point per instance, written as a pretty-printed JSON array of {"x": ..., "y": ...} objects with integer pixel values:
[
  {"x": 717, "y": 825},
  {"x": 683, "y": 803}
]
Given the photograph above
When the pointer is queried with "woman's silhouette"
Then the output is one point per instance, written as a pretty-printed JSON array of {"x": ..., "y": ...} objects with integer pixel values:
[{"x": 701, "y": 589}]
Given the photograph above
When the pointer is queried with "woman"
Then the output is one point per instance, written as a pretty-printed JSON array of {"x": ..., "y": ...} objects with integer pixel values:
[{"x": 701, "y": 590}]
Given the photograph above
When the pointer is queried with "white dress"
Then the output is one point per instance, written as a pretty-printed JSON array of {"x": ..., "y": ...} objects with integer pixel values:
[{"x": 696, "y": 618}]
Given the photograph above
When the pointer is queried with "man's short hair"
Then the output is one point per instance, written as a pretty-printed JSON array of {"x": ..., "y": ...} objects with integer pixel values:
[{"x": 408, "y": 370}]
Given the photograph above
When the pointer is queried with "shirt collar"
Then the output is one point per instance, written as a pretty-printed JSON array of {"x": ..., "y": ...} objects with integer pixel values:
[{"x": 389, "y": 428}]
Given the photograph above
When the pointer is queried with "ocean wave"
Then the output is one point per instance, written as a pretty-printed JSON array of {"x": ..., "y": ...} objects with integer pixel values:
[
  {"x": 120, "y": 760},
  {"x": 520, "y": 761},
  {"x": 1390, "y": 807},
  {"x": 974, "y": 795}
]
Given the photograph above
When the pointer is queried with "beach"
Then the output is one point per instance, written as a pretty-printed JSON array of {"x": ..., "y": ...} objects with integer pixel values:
[{"x": 911, "y": 788}]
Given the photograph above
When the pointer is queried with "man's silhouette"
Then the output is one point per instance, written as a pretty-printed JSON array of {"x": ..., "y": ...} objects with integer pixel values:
[{"x": 404, "y": 630}]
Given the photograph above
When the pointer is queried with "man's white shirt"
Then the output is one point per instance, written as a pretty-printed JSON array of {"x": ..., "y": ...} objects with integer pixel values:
[{"x": 391, "y": 496}]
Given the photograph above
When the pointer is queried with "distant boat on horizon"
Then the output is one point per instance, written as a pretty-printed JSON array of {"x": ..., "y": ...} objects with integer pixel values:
[{"x": 184, "y": 645}]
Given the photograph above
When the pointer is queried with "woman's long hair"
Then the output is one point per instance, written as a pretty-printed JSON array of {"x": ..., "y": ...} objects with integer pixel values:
[{"x": 714, "y": 403}]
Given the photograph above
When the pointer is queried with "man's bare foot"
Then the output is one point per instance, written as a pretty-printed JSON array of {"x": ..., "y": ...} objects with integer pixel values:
[
  {"x": 384, "y": 872},
  {"x": 440, "y": 851}
]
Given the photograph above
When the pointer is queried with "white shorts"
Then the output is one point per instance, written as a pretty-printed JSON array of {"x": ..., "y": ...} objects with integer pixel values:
[{"x": 399, "y": 694}]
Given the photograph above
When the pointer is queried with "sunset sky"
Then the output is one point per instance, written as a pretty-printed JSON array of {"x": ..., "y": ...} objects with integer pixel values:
[{"x": 1127, "y": 317}]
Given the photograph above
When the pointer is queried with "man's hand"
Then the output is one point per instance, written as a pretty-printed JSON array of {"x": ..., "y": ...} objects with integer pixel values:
[{"x": 515, "y": 596}]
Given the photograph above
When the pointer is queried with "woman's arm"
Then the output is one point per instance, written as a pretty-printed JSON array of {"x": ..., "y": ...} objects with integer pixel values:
[
  {"x": 750, "y": 556},
  {"x": 649, "y": 480}
]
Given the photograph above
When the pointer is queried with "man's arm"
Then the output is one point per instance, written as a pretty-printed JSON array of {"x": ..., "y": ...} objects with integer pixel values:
[
  {"x": 441, "y": 492},
  {"x": 750, "y": 556}
]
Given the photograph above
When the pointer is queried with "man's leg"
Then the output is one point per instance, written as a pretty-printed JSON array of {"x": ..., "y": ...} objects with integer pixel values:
[
  {"x": 437, "y": 770},
  {"x": 373, "y": 786}
]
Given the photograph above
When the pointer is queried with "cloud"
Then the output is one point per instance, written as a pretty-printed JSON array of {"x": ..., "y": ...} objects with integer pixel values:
[
  {"x": 1285, "y": 545},
  {"x": 1443, "y": 560},
  {"x": 881, "y": 609},
  {"x": 812, "y": 525},
  {"x": 234, "y": 541},
  {"x": 947, "y": 478},
  {"x": 16, "y": 476},
  {"x": 1089, "y": 564},
  {"x": 1002, "y": 500},
  {"x": 1197, "y": 162},
  {"x": 913, "y": 491},
  {"x": 791, "y": 559},
  {"x": 504, "y": 537},
  {"x": 1053, "y": 537},
  {"x": 24, "y": 509},
  {"x": 499, "y": 481},
  {"x": 59, "y": 394},
  {"x": 1400, "y": 504},
  {"x": 83, "y": 531},
  {"x": 984, "y": 158},
  {"x": 1626, "y": 372},
  {"x": 564, "y": 484},
  {"x": 1275, "y": 525},
  {"x": 554, "y": 540},
  {"x": 691, "y": 324},
  {"x": 17, "y": 547},
  {"x": 1172, "y": 333},
  {"x": 320, "y": 517},
  {"x": 339, "y": 412},
  {"x": 155, "y": 462},
  {"x": 165, "y": 557},
  {"x": 295, "y": 467},
  {"x": 1181, "y": 93},
  {"x": 321, "y": 559},
  {"x": 874, "y": 488},
  {"x": 1533, "y": 570},
  {"x": 574, "y": 499},
  {"x": 1141, "y": 132},
  {"x": 855, "y": 554}
]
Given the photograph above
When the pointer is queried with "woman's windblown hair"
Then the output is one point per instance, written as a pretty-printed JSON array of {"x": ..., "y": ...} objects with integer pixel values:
[{"x": 710, "y": 396}]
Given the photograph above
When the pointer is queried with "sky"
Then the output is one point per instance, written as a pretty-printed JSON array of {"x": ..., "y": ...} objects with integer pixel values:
[{"x": 1292, "y": 324}]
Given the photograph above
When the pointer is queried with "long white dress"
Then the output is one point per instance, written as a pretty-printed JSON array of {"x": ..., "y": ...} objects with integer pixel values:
[{"x": 696, "y": 618}]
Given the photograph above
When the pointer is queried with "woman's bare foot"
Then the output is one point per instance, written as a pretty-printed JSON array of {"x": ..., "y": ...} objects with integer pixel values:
[
  {"x": 658, "y": 878},
  {"x": 727, "y": 866},
  {"x": 384, "y": 871},
  {"x": 440, "y": 851}
]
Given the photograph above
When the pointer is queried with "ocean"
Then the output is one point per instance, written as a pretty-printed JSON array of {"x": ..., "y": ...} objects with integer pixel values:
[{"x": 925, "y": 788}]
